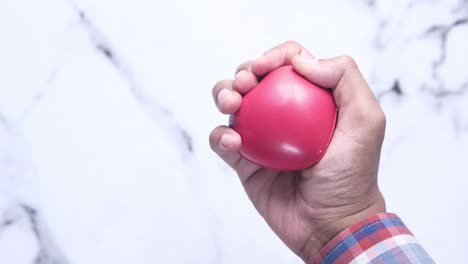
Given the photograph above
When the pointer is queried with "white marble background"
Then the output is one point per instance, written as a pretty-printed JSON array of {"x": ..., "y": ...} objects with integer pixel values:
[{"x": 105, "y": 110}]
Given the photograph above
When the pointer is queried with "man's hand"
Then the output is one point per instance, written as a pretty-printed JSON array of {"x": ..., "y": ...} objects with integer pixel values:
[{"x": 306, "y": 209}]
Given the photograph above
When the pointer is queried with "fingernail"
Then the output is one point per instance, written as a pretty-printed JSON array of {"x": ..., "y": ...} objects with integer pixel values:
[
  {"x": 226, "y": 140},
  {"x": 241, "y": 72},
  {"x": 223, "y": 95}
]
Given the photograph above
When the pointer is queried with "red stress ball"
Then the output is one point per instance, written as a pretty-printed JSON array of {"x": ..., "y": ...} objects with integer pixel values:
[{"x": 285, "y": 122}]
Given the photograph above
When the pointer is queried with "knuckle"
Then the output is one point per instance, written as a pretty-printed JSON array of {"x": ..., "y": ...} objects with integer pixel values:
[
  {"x": 380, "y": 118},
  {"x": 220, "y": 85},
  {"x": 370, "y": 113},
  {"x": 292, "y": 43},
  {"x": 377, "y": 119},
  {"x": 348, "y": 61},
  {"x": 379, "y": 124},
  {"x": 245, "y": 66}
]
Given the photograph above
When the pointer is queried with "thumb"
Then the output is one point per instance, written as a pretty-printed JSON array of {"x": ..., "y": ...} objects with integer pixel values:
[
  {"x": 357, "y": 106},
  {"x": 340, "y": 74}
]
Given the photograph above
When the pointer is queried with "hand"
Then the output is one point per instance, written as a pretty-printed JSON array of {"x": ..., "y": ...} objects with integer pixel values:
[{"x": 306, "y": 209}]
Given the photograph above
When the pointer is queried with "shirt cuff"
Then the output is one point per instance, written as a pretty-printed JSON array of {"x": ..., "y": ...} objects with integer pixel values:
[{"x": 382, "y": 238}]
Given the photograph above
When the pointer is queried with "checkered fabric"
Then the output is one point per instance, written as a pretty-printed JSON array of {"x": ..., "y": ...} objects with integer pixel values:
[{"x": 379, "y": 239}]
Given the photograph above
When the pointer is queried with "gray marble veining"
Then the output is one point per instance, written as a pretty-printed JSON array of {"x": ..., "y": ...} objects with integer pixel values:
[{"x": 105, "y": 109}]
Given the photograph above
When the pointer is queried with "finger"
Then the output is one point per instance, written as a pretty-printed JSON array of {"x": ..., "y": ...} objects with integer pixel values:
[
  {"x": 245, "y": 80},
  {"x": 227, "y": 100},
  {"x": 351, "y": 92},
  {"x": 245, "y": 66},
  {"x": 278, "y": 56},
  {"x": 226, "y": 142}
]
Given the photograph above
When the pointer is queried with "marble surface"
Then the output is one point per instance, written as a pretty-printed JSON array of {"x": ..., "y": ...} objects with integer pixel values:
[{"x": 105, "y": 110}]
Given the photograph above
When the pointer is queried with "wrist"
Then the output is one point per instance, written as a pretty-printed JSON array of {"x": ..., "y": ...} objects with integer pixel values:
[{"x": 329, "y": 230}]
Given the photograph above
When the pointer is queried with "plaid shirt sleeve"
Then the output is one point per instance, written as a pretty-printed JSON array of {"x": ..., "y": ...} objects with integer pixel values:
[{"x": 379, "y": 239}]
